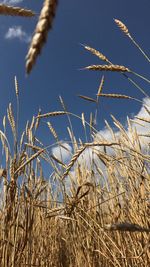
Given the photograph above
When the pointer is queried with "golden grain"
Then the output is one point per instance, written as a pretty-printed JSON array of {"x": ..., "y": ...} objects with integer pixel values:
[
  {"x": 87, "y": 98},
  {"x": 41, "y": 31},
  {"x": 81, "y": 150},
  {"x": 52, "y": 130},
  {"x": 117, "y": 68},
  {"x": 46, "y": 220},
  {"x": 73, "y": 160},
  {"x": 116, "y": 96},
  {"x": 15, "y": 11},
  {"x": 96, "y": 53},
  {"x": 16, "y": 87},
  {"x": 52, "y": 114},
  {"x": 122, "y": 26},
  {"x": 11, "y": 119}
]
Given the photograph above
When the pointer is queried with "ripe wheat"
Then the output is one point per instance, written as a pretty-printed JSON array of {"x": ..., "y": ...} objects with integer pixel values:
[
  {"x": 15, "y": 11},
  {"x": 40, "y": 35}
]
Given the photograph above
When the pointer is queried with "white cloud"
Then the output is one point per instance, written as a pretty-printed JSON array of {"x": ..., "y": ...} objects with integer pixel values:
[
  {"x": 93, "y": 168},
  {"x": 90, "y": 161},
  {"x": 141, "y": 127},
  {"x": 17, "y": 32},
  {"x": 11, "y": 2},
  {"x": 62, "y": 152}
]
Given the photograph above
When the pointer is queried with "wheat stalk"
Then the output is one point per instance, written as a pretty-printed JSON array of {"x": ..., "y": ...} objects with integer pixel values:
[
  {"x": 27, "y": 128},
  {"x": 74, "y": 158},
  {"x": 147, "y": 110},
  {"x": 83, "y": 119},
  {"x": 143, "y": 119},
  {"x": 15, "y": 11},
  {"x": 100, "y": 88},
  {"x": 125, "y": 30},
  {"x": 144, "y": 135},
  {"x": 117, "y": 68},
  {"x": 29, "y": 160},
  {"x": 33, "y": 147},
  {"x": 36, "y": 148},
  {"x": 17, "y": 117},
  {"x": 101, "y": 56},
  {"x": 41, "y": 31},
  {"x": 80, "y": 151},
  {"x": 58, "y": 161},
  {"x": 22, "y": 139},
  {"x": 37, "y": 120}
]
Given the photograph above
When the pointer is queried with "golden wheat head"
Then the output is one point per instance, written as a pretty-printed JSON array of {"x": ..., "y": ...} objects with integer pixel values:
[
  {"x": 52, "y": 114},
  {"x": 40, "y": 35},
  {"x": 16, "y": 86},
  {"x": 122, "y": 26},
  {"x": 117, "y": 68},
  {"x": 96, "y": 53},
  {"x": 115, "y": 96},
  {"x": 15, "y": 11}
]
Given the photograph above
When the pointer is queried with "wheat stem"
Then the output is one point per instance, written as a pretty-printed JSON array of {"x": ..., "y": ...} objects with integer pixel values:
[{"x": 141, "y": 76}]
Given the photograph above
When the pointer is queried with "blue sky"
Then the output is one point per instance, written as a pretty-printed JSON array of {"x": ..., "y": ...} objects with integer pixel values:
[{"x": 57, "y": 71}]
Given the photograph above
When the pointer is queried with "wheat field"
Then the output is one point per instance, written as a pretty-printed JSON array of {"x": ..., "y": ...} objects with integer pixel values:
[{"x": 94, "y": 210}]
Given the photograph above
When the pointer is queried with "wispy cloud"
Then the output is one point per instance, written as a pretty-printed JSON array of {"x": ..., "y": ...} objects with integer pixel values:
[
  {"x": 16, "y": 32},
  {"x": 11, "y": 2}
]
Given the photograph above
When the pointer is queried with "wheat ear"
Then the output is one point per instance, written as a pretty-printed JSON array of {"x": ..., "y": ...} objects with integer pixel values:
[
  {"x": 80, "y": 151},
  {"x": 74, "y": 158},
  {"x": 11, "y": 120},
  {"x": 116, "y": 96},
  {"x": 87, "y": 98},
  {"x": 40, "y": 35},
  {"x": 51, "y": 128},
  {"x": 100, "y": 88},
  {"x": 117, "y": 68},
  {"x": 125, "y": 30},
  {"x": 15, "y": 11},
  {"x": 122, "y": 26},
  {"x": 52, "y": 114},
  {"x": 96, "y": 53}
]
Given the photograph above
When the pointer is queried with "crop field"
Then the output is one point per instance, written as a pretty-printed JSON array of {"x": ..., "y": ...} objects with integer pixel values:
[{"x": 94, "y": 211}]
